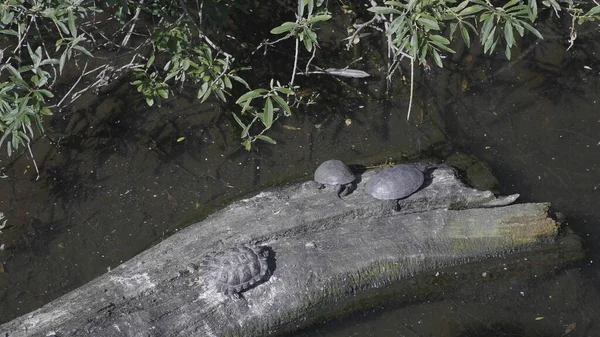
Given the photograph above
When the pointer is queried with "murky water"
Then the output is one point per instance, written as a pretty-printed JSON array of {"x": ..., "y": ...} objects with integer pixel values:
[{"x": 114, "y": 180}]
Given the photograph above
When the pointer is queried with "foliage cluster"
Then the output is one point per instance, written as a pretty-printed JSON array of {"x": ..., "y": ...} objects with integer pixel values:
[{"x": 39, "y": 38}]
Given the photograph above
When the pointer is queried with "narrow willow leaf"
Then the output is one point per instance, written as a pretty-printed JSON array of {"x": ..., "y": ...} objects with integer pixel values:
[
  {"x": 439, "y": 39},
  {"x": 239, "y": 121},
  {"x": 180, "y": 139},
  {"x": 227, "y": 82},
  {"x": 471, "y": 10},
  {"x": 511, "y": 3},
  {"x": 285, "y": 27},
  {"x": 486, "y": 29},
  {"x": 533, "y": 30},
  {"x": 519, "y": 29},
  {"x": 266, "y": 139},
  {"x": 72, "y": 27},
  {"x": 465, "y": 35},
  {"x": 284, "y": 90},
  {"x": 318, "y": 18},
  {"x": 508, "y": 34},
  {"x": 308, "y": 44},
  {"x": 507, "y": 52},
  {"x": 283, "y": 104},
  {"x": 593, "y": 11},
  {"x": 267, "y": 115},
  {"x": 8, "y": 32},
  {"x": 428, "y": 23},
  {"x": 240, "y": 80},
  {"x": 488, "y": 47},
  {"x": 437, "y": 58},
  {"x": 533, "y": 10},
  {"x": 461, "y": 6},
  {"x": 220, "y": 94},
  {"x": 150, "y": 61},
  {"x": 383, "y": 10},
  {"x": 250, "y": 95}
]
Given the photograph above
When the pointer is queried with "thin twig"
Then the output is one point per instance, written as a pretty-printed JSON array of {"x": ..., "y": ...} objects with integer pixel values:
[
  {"x": 74, "y": 85},
  {"x": 412, "y": 77},
  {"x": 295, "y": 62},
  {"x": 133, "y": 22},
  {"x": 34, "y": 162}
]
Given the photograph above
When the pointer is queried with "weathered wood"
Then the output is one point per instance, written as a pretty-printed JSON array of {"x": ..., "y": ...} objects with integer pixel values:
[{"x": 328, "y": 252}]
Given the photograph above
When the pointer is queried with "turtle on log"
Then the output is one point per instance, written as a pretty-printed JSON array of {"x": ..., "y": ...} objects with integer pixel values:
[
  {"x": 335, "y": 172},
  {"x": 395, "y": 182},
  {"x": 236, "y": 269}
]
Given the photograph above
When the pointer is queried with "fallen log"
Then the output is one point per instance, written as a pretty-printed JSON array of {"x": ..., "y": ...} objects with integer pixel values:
[{"x": 329, "y": 256}]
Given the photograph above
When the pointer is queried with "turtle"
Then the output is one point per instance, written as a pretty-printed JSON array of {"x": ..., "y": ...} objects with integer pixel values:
[
  {"x": 236, "y": 269},
  {"x": 395, "y": 182},
  {"x": 335, "y": 172}
]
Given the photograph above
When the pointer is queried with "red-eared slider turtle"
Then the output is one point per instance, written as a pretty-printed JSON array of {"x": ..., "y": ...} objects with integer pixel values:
[
  {"x": 336, "y": 173},
  {"x": 395, "y": 182},
  {"x": 233, "y": 270}
]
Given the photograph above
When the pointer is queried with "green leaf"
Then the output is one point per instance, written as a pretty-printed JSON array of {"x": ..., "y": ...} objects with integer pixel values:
[
  {"x": 250, "y": 95},
  {"x": 239, "y": 121},
  {"x": 283, "y": 104},
  {"x": 240, "y": 80},
  {"x": 471, "y": 10},
  {"x": 308, "y": 44},
  {"x": 383, "y": 10},
  {"x": 8, "y": 32},
  {"x": 285, "y": 27},
  {"x": 429, "y": 23},
  {"x": 285, "y": 90},
  {"x": 163, "y": 93},
  {"x": 149, "y": 101},
  {"x": 507, "y": 52},
  {"x": 533, "y": 10},
  {"x": 593, "y": 11},
  {"x": 267, "y": 115},
  {"x": 487, "y": 47},
  {"x": 150, "y": 61},
  {"x": 318, "y": 18},
  {"x": 439, "y": 39},
  {"x": 247, "y": 144},
  {"x": 511, "y": 3},
  {"x": 508, "y": 34},
  {"x": 266, "y": 139},
  {"x": 180, "y": 139},
  {"x": 437, "y": 58},
  {"x": 533, "y": 30},
  {"x": 465, "y": 35},
  {"x": 72, "y": 27}
]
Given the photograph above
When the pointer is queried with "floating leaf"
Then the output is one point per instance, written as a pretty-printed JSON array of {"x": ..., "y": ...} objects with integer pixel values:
[{"x": 180, "y": 139}]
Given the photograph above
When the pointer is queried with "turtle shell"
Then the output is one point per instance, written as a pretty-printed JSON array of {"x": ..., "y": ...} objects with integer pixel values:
[
  {"x": 334, "y": 172},
  {"x": 395, "y": 182},
  {"x": 235, "y": 269}
]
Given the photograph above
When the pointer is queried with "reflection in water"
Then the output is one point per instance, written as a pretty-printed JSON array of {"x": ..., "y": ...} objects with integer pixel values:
[{"x": 115, "y": 180}]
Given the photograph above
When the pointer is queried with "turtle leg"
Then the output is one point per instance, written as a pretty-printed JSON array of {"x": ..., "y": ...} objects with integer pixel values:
[
  {"x": 322, "y": 186},
  {"x": 347, "y": 189},
  {"x": 394, "y": 206},
  {"x": 339, "y": 191}
]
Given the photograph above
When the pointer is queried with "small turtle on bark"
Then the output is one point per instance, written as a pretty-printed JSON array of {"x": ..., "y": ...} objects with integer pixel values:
[
  {"x": 234, "y": 270},
  {"x": 395, "y": 182},
  {"x": 335, "y": 172}
]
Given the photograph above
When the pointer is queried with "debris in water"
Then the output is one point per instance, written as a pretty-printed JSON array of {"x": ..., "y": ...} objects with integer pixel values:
[
  {"x": 570, "y": 328},
  {"x": 539, "y": 318}
]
